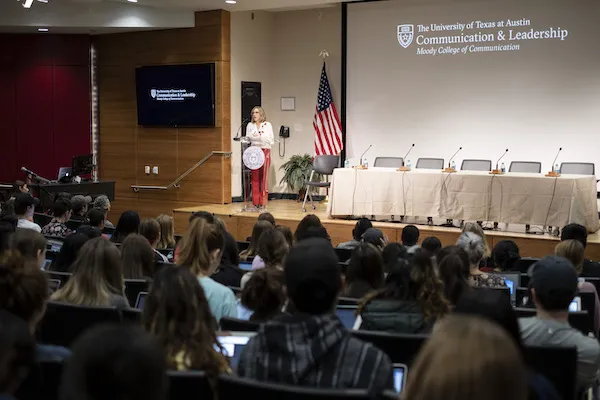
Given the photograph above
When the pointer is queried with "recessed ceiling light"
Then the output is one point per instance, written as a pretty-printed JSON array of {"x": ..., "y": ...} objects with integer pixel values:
[
  {"x": 27, "y": 3},
  {"x": 231, "y": 1},
  {"x": 132, "y": 1},
  {"x": 42, "y": 29}
]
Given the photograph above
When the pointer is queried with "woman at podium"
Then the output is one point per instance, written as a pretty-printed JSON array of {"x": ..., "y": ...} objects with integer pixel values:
[{"x": 260, "y": 133}]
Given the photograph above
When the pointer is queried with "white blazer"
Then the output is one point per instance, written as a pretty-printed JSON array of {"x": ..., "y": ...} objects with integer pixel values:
[{"x": 262, "y": 136}]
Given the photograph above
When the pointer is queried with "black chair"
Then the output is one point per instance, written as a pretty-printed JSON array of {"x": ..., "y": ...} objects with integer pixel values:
[
  {"x": 238, "y": 325},
  {"x": 505, "y": 290},
  {"x": 525, "y": 166},
  {"x": 42, "y": 219},
  {"x": 388, "y": 162},
  {"x": 243, "y": 246},
  {"x": 108, "y": 231},
  {"x": 63, "y": 277},
  {"x": 476, "y": 165},
  {"x": 558, "y": 365},
  {"x": 133, "y": 287},
  {"x": 577, "y": 168},
  {"x": 524, "y": 280},
  {"x": 522, "y": 264},
  {"x": 594, "y": 281},
  {"x": 430, "y": 163},
  {"x": 42, "y": 382},
  {"x": 169, "y": 253},
  {"x": 323, "y": 165},
  {"x": 343, "y": 254},
  {"x": 132, "y": 315},
  {"x": 579, "y": 320},
  {"x": 63, "y": 323},
  {"x": 182, "y": 384},
  {"x": 400, "y": 347},
  {"x": 73, "y": 224},
  {"x": 230, "y": 387},
  {"x": 347, "y": 301}
]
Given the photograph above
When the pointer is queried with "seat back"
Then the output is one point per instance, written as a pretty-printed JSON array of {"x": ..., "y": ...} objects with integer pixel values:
[
  {"x": 577, "y": 168},
  {"x": 476, "y": 165},
  {"x": 343, "y": 254},
  {"x": 131, "y": 315},
  {"x": 243, "y": 246},
  {"x": 401, "y": 348},
  {"x": 388, "y": 162},
  {"x": 63, "y": 323},
  {"x": 182, "y": 384},
  {"x": 238, "y": 325},
  {"x": 558, "y": 365},
  {"x": 230, "y": 387},
  {"x": 63, "y": 277},
  {"x": 42, "y": 382},
  {"x": 73, "y": 224},
  {"x": 348, "y": 301},
  {"x": 525, "y": 166},
  {"x": 42, "y": 219},
  {"x": 325, "y": 165},
  {"x": 133, "y": 287},
  {"x": 430, "y": 163},
  {"x": 523, "y": 263}
]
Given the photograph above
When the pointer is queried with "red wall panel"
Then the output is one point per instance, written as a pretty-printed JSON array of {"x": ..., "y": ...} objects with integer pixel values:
[{"x": 8, "y": 137}]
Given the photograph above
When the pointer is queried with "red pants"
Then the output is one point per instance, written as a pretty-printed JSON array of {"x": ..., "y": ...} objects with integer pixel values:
[{"x": 260, "y": 181}]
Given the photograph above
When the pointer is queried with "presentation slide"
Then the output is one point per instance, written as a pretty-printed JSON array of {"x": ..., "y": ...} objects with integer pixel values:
[{"x": 485, "y": 75}]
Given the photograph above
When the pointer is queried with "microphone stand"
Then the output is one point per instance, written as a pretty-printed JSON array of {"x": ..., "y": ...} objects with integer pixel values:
[
  {"x": 404, "y": 167},
  {"x": 450, "y": 169},
  {"x": 552, "y": 173},
  {"x": 498, "y": 171},
  {"x": 361, "y": 166}
]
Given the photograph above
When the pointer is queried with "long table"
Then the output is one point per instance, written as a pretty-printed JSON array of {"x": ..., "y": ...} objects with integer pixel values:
[{"x": 517, "y": 198}]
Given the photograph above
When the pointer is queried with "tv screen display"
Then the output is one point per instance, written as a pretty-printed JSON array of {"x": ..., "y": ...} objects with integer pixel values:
[{"x": 176, "y": 95}]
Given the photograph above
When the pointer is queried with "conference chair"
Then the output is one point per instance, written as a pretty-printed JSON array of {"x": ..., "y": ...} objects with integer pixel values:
[
  {"x": 63, "y": 323},
  {"x": 557, "y": 364},
  {"x": 133, "y": 287},
  {"x": 131, "y": 315},
  {"x": 476, "y": 165},
  {"x": 42, "y": 219},
  {"x": 238, "y": 325},
  {"x": 401, "y": 348},
  {"x": 323, "y": 165},
  {"x": 522, "y": 264},
  {"x": 183, "y": 384},
  {"x": 42, "y": 382},
  {"x": 388, "y": 162},
  {"x": 534, "y": 167},
  {"x": 73, "y": 224},
  {"x": 594, "y": 281},
  {"x": 230, "y": 387},
  {"x": 576, "y": 168},
  {"x": 430, "y": 163}
]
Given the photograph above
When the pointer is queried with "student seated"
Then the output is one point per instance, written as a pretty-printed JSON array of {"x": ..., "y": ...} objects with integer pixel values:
[
  {"x": 31, "y": 245},
  {"x": 69, "y": 252},
  {"x": 410, "y": 238},
  {"x": 272, "y": 250},
  {"x": 80, "y": 207},
  {"x": 473, "y": 245},
  {"x": 115, "y": 362},
  {"x": 167, "y": 232},
  {"x": 365, "y": 272},
  {"x": 102, "y": 203},
  {"x": 504, "y": 255},
  {"x": 129, "y": 223},
  {"x": 309, "y": 221},
  {"x": 357, "y": 232},
  {"x": 137, "y": 257},
  {"x": 579, "y": 233},
  {"x": 391, "y": 253},
  {"x": 475, "y": 227},
  {"x": 312, "y": 348},
  {"x": 267, "y": 216},
  {"x": 263, "y": 296},
  {"x": 228, "y": 272},
  {"x": 411, "y": 300},
  {"x": 24, "y": 208},
  {"x": 17, "y": 352},
  {"x": 432, "y": 244},
  {"x": 176, "y": 312},
  {"x": 150, "y": 229},
  {"x": 375, "y": 237},
  {"x": 96, "y": 219},
  {"x": 553, "y": 286},
  {"x": 453, "y": 270},
  {"x": 57, "y": 227},
  {"x": 259, "y": 228}
]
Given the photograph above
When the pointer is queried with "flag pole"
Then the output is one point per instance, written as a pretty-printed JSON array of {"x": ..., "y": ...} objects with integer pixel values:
[{"x": 324, "y": 54}]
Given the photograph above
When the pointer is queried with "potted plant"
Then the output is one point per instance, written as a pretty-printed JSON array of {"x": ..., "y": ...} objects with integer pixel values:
[{"x": 297, "y": 171}]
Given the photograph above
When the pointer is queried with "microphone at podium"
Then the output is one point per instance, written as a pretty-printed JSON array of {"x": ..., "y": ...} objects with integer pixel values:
[
  {"x": 501, "y": 157},
  {"x": 450, "y": 169}
]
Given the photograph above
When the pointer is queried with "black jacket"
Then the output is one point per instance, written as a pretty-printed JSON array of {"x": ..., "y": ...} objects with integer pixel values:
[
  {"x": 228, "y": 275},
  {"x": 395, "y": 316}
]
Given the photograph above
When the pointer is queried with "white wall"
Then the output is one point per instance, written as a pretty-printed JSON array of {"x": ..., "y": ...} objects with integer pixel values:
[{"x": 288, "y": 65}]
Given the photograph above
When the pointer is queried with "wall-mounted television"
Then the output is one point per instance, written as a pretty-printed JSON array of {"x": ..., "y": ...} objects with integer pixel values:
[{"x": 176, "y": 95}]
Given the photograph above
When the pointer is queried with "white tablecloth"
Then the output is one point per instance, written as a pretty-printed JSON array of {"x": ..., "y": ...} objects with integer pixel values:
[{"x": 517, "y": 198}]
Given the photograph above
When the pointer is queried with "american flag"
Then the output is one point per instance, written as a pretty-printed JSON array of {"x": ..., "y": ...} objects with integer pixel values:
[{"x": 328, "y": 131}]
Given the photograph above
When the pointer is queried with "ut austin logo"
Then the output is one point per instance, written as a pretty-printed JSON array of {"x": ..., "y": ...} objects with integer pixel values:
[
  {"x": 406, "y": 33},
  {"x": 153, "y": 93}
]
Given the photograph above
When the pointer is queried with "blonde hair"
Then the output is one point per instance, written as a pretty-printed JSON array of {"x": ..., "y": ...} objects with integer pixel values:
[
  {"x": 263, "y": 115},
  {"x": 478, "y": 230},
  {"x": 573, "y": 251},
  {"x": 200, "y": 240},
  {"x": 494, "y": 374},
  {"x": 167, "y": 232}
]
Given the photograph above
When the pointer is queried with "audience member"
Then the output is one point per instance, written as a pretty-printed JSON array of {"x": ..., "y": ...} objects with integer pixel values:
[
  {"x": 411, "y": 301},
  {"x": 553, "y": 285},
  {"x": 391, "y": 254},
  {"x": 410, "y": 238},
  {"x": 205, "y": 215},
  {"x": 8, "y": 226},
  {"x": 57, "y": 227},
  {"x": 89, "y": 231},
  {"x": 17, "y": 353},
  {"x": 432, "y": 244},
  {"x": 201, "y": 249},
  {"x": 496, "y": 373},
  {"x": 365, "y": 272},
  {"x": 97, "y": 278},
  {"x": 257, "y": 230},
  {"x": 313, "y": 232},
  {"x": 25, "y": 206},
  {"x": 102, "y": 203},
  {"x": 80, "y": 207},
  {"x": 150, "y": 229},
  {"x": 264, "y": 294},
  {"x": 267, "y": 216},
  {"x": 31, "y": 245},
  {"x": 177, "y": 313},
  {"x": 20, "y": 187},
  {"x": 573, "y": 250},
  {"x": 137, "y": 257},
  {"x": 115, "y": 362},
  {"x": 229, "y": 273},
  {"x": 375, "y": 237},
  {"x": 287, "y": 234},
  {"x": 478, "y": 230},
  {"x": 504, "y": 255},
  {"x": 167, "y": 232},
  {"x": 357, "y": 232},
  {"x": 96, "y": 218},
  {"x": 324, "y": 353},
  {"x": 129, "y": 223},
  {"x": 579, "y": 232},
  {"x": 272, "y": 249},
  {"x": 308, "y": 221},
  {"x": 453, "y": 270},
  {"x": 69, "y": 252},
  {"x": 474, "y": 246}
]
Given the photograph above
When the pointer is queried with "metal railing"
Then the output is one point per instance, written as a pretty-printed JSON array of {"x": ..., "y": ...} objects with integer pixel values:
[{"x": 175, "y": 183}]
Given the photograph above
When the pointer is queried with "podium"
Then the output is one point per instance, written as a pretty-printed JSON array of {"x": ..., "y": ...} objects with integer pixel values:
[{"x": 252, "y": 159}]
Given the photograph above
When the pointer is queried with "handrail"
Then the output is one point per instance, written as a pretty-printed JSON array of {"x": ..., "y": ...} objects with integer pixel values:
[{"x": 175, "y": 183}]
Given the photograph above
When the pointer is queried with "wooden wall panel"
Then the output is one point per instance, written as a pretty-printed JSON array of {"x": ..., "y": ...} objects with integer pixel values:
[{"x": 126, "y": 148}]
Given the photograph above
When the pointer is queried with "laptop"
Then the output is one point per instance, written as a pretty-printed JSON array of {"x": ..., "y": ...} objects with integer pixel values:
[
  {"x": 234, "y": 344},
  {"x": 141, "y": 300},
  {"x": 400, "y": 372},
  {"x": 347, "y": 315},
  {"x": 245, "y": 266},
  {"x": 513, "y": 281},
  {"x": 64, "y": 172},
  {"x": 575, "y": 304}
]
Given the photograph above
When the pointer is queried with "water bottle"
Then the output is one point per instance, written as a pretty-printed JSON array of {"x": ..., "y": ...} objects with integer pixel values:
[
  {"x": 408, "y": 164},
  {"x": 503, "y": 167},
  {"x": 365, "y": 163},
  {"x": 453, "y": 165},
  {"x": 557, "y": 169},
  {"x": 347, "y": 163}
]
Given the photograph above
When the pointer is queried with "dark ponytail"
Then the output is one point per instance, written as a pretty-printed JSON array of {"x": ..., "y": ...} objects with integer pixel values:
[{"x": 264, "y": 294}]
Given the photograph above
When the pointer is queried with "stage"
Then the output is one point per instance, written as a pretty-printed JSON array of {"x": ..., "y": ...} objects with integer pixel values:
[{"x": 289, "y": 213}]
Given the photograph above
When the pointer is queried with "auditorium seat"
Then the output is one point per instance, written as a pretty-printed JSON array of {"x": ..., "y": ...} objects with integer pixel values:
[
  {"x": 131, "y": 315},
  {"x": 63, "y": 277},
  {"x": 243, "y": 246},
  {"x": 522, "y": 264},
  {"x": 42, "y": 382},
  {"x": 577, "y": 168},
  {"x": 558, "y": 365},
  {"x": 401, "y": 348},
  {"x": 323, "y": 165},
  {"x": 343, "y": 254},
  {"x": 230, "y": 387},
  {"x": 388, "y": 162},
  {"x": 430, "y": 163},
  {"x": 525, "y": 166},
  {"x": 73, "y": 224},
  {"x": 476, "y": 165},
  {"x": 42, "y": 219},
  {"x": 183, "y": 384},
  {"x": 238, "y": 325},
  {"x": 347, "y": 301},
  {"x": 133, "y": 287}
]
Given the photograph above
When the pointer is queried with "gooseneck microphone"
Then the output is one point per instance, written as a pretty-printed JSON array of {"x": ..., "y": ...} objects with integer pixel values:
[
  {"x": 407, "y": 153},
  {"x": 451, "y": 158},
  {"x": 28, "y": 171},
  {"x": 501, "y": 157},
  {"x": 555, "y": 158},
  {"x": 237, "y": 137},
  {"x": 363, "y": 154}
]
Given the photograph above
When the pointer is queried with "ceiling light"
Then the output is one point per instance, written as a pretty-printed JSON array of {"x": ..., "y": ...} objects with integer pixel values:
[
  {"x": 27, "y": 3},
  {"x": 42, "y": 29},
  {"x": 43, "y": 1},
  {"x": 132, "y": 1},
  {"x": 231, "y": 1}
]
